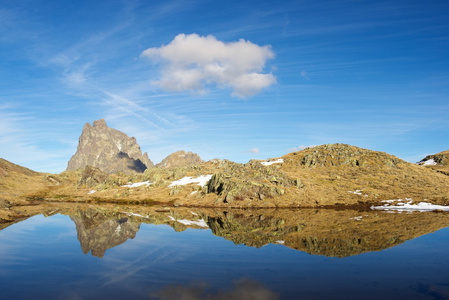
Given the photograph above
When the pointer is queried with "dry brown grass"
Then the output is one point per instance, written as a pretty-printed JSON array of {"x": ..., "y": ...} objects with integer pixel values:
[{"x": 327, "y": 175}]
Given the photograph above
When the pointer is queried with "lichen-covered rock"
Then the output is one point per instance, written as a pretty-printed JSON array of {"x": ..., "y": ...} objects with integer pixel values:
[
  {"x": 109, "y": 150},
  {"x": 251, "y": 181},
  {"x": 92, "y": 176}
]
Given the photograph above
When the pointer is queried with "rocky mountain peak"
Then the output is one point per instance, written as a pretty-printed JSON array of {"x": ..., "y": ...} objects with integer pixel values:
[
  {"x": 109, "y": 150},
  {"x": 180, "y": 159},
  {"x": 99, "y": 124}
]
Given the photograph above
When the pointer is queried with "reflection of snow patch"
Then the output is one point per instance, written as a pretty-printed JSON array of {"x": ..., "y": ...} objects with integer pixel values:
[
  {"x": 200, "y": 223},
  {"x": 136, "y": 215},
  {"x": 118, "y": 229},
  {"x": 201, "y": 180},
  {"x": 408, "y": 206},
  {"x": 137, "y": 184},
  {"x": 269, "y": 163},
  {"x": 194, "y": 192}
]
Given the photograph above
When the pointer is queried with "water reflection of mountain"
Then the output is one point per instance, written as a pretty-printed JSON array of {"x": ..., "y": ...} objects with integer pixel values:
[
  {"x": 337, "y": 233},
  {"x": 242, "y": 289},
  {"x": 98, "y": 231},
  {"x": 325, "y": 232}
]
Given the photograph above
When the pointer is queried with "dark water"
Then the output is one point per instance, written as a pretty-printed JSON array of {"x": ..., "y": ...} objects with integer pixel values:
[{"x": 95, "y": 254}]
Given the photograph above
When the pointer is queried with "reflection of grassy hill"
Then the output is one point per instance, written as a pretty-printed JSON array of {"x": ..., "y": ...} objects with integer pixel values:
[
  {"x": 337, "y": 233},
  {"x": 326, "y": 232}
]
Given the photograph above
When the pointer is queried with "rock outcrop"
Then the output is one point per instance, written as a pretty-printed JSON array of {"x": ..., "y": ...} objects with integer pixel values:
[
  {"x": 439, "y": 159},
  {"x": 438, "y": 162},
  {"x": 109, "y": 150},
  {"x": 180, "y": 159}
]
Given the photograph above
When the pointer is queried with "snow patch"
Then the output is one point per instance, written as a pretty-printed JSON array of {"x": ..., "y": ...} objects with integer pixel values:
[
  {"x": 357, "y": 192},
  {"x": 91, "y": 192},
  {"x": 200, "y": 223},
  {"x": 137, "y": 184},
  {"x": 269, "y": 163},
  {"x": 429, "y": 162},
  {"x": 280, "y": 242},
  {"x": 359, "y": 218},
  {"x": 201, "y": 180}
]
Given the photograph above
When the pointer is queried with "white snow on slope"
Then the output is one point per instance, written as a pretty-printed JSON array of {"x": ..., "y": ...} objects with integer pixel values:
[
  {"x": 429, "y": 162},
  {"x": 201, "y": 180},
  {"x": 137, "y": 184},
  {"x": 356, "y": 192},
  {"x": 269, "y": 163}
]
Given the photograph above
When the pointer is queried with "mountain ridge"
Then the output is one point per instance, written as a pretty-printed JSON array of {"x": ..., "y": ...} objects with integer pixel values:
[{"x": 327, "y": 175}]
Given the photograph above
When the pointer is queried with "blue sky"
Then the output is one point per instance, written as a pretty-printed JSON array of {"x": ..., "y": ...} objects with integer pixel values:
[{"x": 227, "y": 79}]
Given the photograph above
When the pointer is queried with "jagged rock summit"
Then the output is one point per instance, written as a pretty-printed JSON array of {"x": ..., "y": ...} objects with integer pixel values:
[
  {"x": 180, "y": 159},
  {"x": 109, "y": 150}
]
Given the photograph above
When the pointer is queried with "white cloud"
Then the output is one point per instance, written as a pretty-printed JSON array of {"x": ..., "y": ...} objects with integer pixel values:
[
  {"x": 299, "y": 148},
  {"x": 254, "y": 150},
  {"x": 304, "y": 75},
  {"x": 192, "y": 62}
]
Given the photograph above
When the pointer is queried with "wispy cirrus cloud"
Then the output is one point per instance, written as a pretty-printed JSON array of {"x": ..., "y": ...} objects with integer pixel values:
[
  {"x": 254, "y": 150},
  {"x": 192, "y": 63},
  {"x": 299, "y": 148}
]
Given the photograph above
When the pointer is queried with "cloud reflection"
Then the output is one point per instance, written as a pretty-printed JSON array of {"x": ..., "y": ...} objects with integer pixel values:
[{"x": 242, "y": 289}]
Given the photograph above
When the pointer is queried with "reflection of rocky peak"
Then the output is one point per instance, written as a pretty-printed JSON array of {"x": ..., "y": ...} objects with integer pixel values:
[
  {"x": 180, "y": 159},
  {"x": 109, "y": 150},
  {"x": 98, "y": 232},
  {"x": 337, "y": 233}
]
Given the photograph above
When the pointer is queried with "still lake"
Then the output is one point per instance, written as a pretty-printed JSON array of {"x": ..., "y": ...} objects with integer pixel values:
[{"x": 115, "y": 252}]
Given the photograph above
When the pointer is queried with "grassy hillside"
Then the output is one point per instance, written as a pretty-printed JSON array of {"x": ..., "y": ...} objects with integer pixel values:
[
  {"x": 327, "y": 175},
  {"x": 345, "y": 174}
]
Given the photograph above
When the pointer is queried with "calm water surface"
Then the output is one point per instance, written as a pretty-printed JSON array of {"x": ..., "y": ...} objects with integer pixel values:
[{"x": 99, "y": 255}]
